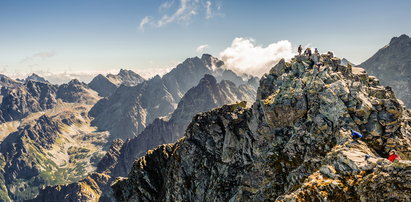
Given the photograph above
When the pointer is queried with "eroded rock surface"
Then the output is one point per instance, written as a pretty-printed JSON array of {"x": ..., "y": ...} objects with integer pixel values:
[{"x": 294, "y": 144}]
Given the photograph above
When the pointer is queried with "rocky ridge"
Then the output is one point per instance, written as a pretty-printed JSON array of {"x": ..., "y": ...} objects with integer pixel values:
[
  {"x": 134, "y": 107},
  {"x": 35, "y": 77},
  {"x": 18, "y": 101},
  {"x": 392, "y": 65},
  {"x": 293, "y": 144},
  {"x": 106, "y": 85}
]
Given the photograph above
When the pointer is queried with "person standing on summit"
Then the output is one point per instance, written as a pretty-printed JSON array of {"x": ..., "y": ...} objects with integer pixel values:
[{"x": 300, "y": 49}]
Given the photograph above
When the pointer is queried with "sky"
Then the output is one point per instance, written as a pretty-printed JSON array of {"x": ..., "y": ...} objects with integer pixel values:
[{"x": 86, "y": 37}]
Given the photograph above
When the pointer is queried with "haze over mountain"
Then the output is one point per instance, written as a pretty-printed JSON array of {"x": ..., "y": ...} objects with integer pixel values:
[
  {"x": 131, "y": 108},
  {"x": 47, "y": 127},
  {"x": 392, "y": 64}
]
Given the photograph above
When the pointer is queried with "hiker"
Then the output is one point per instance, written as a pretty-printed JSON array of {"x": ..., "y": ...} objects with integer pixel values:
[
  {"x": 394, "y": 156},
  {"x": 300, "y": 49},
  {"x": 307, "y": 52},
  {"x": 355, "y": 135},
  {"x": 316, "y": 51}
]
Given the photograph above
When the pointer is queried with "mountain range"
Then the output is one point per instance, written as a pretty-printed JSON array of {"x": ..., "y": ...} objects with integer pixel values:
[{"x": 203, "y": 132}]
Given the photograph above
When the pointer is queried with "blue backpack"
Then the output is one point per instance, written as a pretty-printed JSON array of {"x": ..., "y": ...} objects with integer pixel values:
[{"x": 355, "y": 134}]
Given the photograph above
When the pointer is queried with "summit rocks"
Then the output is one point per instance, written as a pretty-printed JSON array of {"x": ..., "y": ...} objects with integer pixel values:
[{"x": 293, "y": 144}]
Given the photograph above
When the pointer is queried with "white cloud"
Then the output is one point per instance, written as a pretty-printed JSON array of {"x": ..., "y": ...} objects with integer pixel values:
[
  {"x": 165, "y": 6},
  {"x": 209, "y": 13},
  {"x": 244, "y": 56},
  {"x": 144, "y": 21},
  {"x": 183, "y": 14},
  {"x": 201, "y": 48},
  {"x": 40, "y": 55}
]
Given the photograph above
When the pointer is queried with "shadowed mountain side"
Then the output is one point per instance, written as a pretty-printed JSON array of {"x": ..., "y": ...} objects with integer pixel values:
[{"x": 392, "y": 65}]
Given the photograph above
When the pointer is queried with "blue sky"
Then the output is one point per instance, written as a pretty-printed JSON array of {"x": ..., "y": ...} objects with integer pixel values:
[{"x": 104, "y": 35}]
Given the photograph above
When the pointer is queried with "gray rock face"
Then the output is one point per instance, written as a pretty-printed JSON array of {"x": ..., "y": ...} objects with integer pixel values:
[
  {"x": 392, "y": 65},
  {"x": 294, "y": 144},
  {"x": 103, "y": 85},
  {"x": 18, "y": 101},
  {"x": 77, "y": 92},
  {"x": 8, "y": 82},
  {"x": 35, "y": 77},
  {"x": 106, "y": 85},
  {"x": 31, "y": 97},
  {"x": 207, "y": 95},
  {"x": 130, "y": 109}
]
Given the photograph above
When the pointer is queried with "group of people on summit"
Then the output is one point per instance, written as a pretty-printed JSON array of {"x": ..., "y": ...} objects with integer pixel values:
[{"x": 307, "y": 51}]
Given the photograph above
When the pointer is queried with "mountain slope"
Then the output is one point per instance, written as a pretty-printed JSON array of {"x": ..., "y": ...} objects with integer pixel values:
[
  {"x": 57, "y": 146},
  {"x": 22, "y": 100},
  {"x": 130, "y": 109},
  {"x": 106, "y": 85},
  {"x": 294, "y": 144},
  {"x": 8, "y": 82},
  {"x": 77, "y": 92},
  {"x": 35, "y": 77},
  {"x": 207, "y": 95},
  {"x": 392, "y": 65},
  {"x": 18, "y": 101}
]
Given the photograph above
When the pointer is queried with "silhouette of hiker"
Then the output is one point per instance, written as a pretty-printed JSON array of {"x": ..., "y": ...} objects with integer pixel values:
[{"x": 300, "y": 49}]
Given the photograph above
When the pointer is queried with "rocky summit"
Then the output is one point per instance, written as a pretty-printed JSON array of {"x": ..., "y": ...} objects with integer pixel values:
[{"x": 293, "y": 144}]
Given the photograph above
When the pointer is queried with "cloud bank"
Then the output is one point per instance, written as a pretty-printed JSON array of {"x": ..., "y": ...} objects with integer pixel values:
[{"x": 244, "y": 56}]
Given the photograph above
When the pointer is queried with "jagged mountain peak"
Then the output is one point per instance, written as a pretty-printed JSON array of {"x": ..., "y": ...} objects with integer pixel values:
[
  {"x": 403, "y": 39},
  {"x": 36, "y": 77},
  {"x": 293, "y": 144},
  {"x": 106, "y": 85}
]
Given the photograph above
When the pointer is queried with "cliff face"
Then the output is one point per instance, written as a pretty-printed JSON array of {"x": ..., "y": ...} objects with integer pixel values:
[
  {"x": 294, "y": 144},
  {"x": 392, "y": 65},
  {"x": 207, "y": 95}
]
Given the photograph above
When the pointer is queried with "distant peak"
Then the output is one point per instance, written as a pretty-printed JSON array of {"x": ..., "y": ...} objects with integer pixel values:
[
  {"x": 401, "y": 39},
  {"x": 36, "y": 77},
  {"x": 209, "y": 79},
  {"x": 74, "y": 81},
  {"x": 206, "y": 56}
]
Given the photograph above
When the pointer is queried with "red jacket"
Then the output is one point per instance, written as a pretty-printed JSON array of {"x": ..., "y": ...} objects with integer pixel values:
[{"x": 393, "y": 157}]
